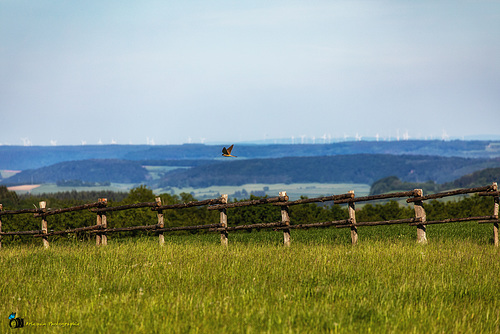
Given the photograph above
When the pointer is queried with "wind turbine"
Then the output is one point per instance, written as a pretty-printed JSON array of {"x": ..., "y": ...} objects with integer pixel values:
[{"x": 26, "y": 141}]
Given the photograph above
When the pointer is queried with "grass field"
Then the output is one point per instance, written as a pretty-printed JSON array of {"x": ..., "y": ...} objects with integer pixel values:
[
  {"x": 294, "y": 190},
  {"x": 48, "y": 188},
  {"x": 386, "y": 284},
  {"x": 4, "y": 173}
]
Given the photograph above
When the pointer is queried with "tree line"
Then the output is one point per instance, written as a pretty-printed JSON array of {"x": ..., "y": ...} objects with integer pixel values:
[
  {"x": 32, "y": 157},
  {"x": 349, "y": 168},
  {"x": 476, "y": 179},
  {"x": 352, "y": 168}
]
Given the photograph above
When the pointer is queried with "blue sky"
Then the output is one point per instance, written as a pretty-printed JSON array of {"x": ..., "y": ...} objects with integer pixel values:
[{"x": 171, "y": 72}]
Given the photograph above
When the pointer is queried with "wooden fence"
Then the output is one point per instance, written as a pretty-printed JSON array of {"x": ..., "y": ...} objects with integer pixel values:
[{"x": 221, "y": 204}]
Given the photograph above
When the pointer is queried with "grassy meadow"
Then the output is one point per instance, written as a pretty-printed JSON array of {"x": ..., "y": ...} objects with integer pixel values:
[
  {"x": 294, "y": 190},
  {"x": 385, "y": 284}
]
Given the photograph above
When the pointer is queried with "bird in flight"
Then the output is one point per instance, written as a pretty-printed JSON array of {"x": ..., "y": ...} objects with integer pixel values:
[{"x": 227, "y": 151}]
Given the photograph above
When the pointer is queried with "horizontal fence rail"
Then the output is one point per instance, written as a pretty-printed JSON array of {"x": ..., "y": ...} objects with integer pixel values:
[
  {"x": 410, "y": 221},
  {"x": 45, "y": 213},
  {"x": 453, "y": 193},
  {"x": 101, "y": 208},
  {"x": 249, "y": 203},
  {"x": 458, "y": 220},
  {"x": 335, "y": 198}
]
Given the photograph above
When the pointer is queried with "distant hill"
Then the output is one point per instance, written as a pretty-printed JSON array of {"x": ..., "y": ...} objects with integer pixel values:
[
  {"x": 110, "y": 170},
  {"x": 476, "y": 179},
  {"x": 353, "y": 168},
  {"x": 394, "y": 184},
  {"x": 32, "y": 157},
  {"x": 356, "y": 168}
]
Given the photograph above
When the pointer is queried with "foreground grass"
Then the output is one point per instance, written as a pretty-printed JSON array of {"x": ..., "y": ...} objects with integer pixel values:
[{"x": 192, "y": 284}]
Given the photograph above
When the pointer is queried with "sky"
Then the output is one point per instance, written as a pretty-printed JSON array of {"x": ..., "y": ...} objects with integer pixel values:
[{"x": 172, "y": 72}]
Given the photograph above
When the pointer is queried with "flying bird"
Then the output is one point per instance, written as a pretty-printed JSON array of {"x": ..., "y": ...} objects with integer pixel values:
[{"x": 227, "y": 151}]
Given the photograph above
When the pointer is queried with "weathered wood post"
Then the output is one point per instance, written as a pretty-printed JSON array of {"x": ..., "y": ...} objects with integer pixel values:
[
  {"x": 43, "y": 205},
  {"x": 223, "y": 221},
  {"x": 1, "y": 208},
  {"x": 98, "y": 223},
  {"x": 101, "y": 238},
  {"x": 104, "y": 223},
  {"x": 420, "y": 213},
  {"x": 495, "y": 213},
  {"x": 161, "y": 223},
  {"x": 285, "y": 218},
  {"x": 352, "y": 217}
]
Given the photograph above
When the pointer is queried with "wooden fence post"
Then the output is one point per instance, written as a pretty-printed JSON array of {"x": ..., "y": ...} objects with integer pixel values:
[
  {"x": 101, "y": 238},
  {"x": 98, "y": 234},
  {"x": 1, "y": 208},
  {"x": 223, "y": 221},
  {"x": 420, "y": 213},
  {"x": 495, "y": 213},
  {"x": 352, "y": 217},
  {"x": 161, "y": 222},
  {"x": 285, "y": 218},
  {"x": 104, "y": 223},
  {"x": 43, "y": 205}
]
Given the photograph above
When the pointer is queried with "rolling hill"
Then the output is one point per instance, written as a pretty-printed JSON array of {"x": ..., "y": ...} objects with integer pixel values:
[
  {"x": 476, "y": 179},
  {"x": 33, "y": 157},
  {"x": 202, "y": 166},
  {"x": 355, "y": 168},
  {"x": 104, "y": 170}
]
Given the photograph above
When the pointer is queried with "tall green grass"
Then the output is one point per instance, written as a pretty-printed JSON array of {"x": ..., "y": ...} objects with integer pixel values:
[{"x": 386, "y": 284}]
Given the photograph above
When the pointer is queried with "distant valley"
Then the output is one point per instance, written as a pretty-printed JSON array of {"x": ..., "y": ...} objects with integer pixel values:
[
  {"x": 32, "y": 157},
  {"x": 201, "y": 166}
]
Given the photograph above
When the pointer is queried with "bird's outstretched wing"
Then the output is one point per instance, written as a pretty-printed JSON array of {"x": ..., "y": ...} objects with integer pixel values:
[{"x": 227, "y": 151}]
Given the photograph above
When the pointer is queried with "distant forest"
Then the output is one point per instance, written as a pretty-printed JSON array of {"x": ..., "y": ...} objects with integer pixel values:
[
  {"x": 33, "y": 157},
  {"x": 477, "y": 179},
  {"x": 85, "y": 172},
  {"x": 355, "y": 168}
]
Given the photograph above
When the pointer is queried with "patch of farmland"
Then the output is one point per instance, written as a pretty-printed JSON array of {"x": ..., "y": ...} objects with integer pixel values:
[{"x": 294, "y": 190}]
